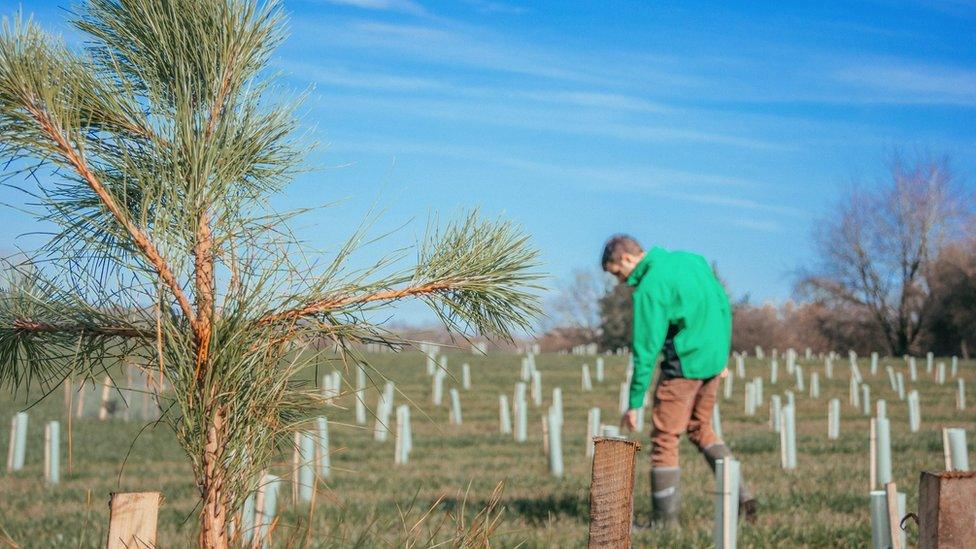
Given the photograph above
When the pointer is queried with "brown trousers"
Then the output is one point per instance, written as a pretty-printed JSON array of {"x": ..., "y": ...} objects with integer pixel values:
[{"x": 682, "y": 405}]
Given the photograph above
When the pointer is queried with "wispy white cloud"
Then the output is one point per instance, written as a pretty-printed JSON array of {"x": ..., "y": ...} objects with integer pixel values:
[
  {"x": 762, "y": 225},
  {"x": 894, "y": 81},
  {"x": 551, "y": 120},
  {"x": 486, "y": 6},
  {"x": 340, "y": 76},
  {"x": 664, "y": 182},
  {"x": 723, "y": 199},
  {"x": 445, "y": 44},
  {"x": 402, "y": 6}
]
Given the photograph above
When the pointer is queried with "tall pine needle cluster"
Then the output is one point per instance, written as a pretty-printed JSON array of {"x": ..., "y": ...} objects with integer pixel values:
[{"x": 161, "y": 146}]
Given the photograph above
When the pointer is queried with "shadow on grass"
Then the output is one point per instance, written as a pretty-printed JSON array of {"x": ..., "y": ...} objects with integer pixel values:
[{"x": 532, "y": 510}]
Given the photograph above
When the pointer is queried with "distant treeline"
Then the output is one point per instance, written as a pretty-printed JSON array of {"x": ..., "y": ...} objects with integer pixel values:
[{"x": 895, "y": 272}]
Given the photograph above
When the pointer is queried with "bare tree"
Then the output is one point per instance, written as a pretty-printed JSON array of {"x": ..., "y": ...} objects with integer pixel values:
[
  {"x": 877, "y": 247},
  {"x": 576, "y": 309}
]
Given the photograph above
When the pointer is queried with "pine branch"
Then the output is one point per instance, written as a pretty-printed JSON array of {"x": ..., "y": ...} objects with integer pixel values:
[
  {"x": 139, "y": 238},
  {"x": 28, "y": 327},
  {"x": 343, "y": 302}
]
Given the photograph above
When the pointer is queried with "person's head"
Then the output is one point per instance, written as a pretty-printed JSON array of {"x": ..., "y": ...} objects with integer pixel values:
[{"x": 621, "y": 254}]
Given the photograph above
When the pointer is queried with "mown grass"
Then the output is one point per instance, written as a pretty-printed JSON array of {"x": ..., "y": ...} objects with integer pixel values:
[{"x": 454, "y": 470}]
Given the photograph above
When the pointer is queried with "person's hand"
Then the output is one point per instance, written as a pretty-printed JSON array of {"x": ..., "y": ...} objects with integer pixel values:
[
  {"x": 724, "y": 374},
  {"x": 629, "y": 420}
]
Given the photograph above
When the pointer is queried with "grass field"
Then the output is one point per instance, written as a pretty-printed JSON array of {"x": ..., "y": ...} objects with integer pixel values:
[{"x": 370, "y": 502}]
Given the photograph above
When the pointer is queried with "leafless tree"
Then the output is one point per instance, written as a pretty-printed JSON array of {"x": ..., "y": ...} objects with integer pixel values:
[
  {"x": 876, "y": 248},
  {"x": 576, "y": 308}
]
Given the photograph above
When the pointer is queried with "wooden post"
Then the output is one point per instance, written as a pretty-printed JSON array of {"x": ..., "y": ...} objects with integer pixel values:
[
  {"x": 894, "y": 517},
  {"x": 612, "y": 492},
  {"x": 945, "y": 449},
  {"x": 946, "y": 506},
  {"x": 80, "y": 407},
  {"x": 132, "y": 522},
  {"x": 873, "y": 445}
]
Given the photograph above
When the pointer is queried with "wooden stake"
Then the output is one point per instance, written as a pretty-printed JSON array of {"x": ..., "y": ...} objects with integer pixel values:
[
  {"x": 69, "y": 386},
  {"x": 893, "y": 520},
  {"x": 945, "y": 449},
  {"x": 81, "y": 400},
  {"x": 874, "y": 454},
  {"x": 132, "y": 523}
]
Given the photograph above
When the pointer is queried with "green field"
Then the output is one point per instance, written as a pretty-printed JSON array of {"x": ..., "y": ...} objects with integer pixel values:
[{"x": 370, "y": 502}]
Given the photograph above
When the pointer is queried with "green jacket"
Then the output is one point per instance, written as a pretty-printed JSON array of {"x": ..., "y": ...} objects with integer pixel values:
[{"x": 680, "y": 305}]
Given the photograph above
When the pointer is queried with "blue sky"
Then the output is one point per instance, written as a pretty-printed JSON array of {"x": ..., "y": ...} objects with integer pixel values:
[{"x": 721, "y": 128}]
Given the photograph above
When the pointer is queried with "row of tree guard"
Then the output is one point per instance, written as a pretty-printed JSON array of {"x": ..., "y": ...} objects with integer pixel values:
[{"x": 311, "y": 455}]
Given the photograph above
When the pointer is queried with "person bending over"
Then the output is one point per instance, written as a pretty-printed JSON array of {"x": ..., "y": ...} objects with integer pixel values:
[{"x": 682, "y": 310}]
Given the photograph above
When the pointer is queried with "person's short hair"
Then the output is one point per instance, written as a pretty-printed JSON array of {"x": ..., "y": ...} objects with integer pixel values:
[{"x": 617, "y": 245}]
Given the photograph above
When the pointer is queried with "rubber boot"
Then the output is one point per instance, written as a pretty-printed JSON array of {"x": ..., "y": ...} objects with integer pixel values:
[
  {"x": 747, "y": 502},
  {"x": 665, "y": 495}
]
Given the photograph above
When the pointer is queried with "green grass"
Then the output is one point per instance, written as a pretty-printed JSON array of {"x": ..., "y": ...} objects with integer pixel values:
[{"x": 371, "y": 502}]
